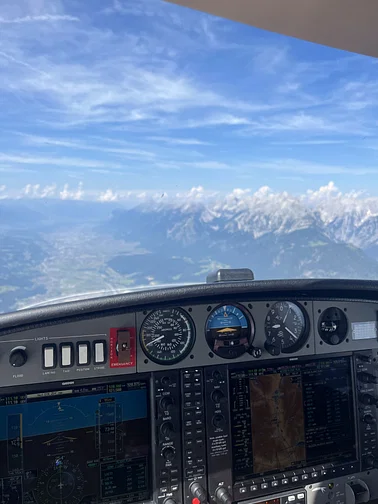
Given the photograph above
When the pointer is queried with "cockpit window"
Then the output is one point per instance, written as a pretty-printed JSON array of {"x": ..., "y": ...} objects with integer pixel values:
[{"x": 145, "y": 143}]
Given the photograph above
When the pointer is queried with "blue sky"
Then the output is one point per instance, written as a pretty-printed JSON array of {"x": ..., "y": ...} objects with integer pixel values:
[{"x": 130, "y": 95}]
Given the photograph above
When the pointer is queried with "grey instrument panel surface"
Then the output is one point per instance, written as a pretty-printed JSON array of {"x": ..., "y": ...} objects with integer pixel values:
[{"x": 93, "y": 327}]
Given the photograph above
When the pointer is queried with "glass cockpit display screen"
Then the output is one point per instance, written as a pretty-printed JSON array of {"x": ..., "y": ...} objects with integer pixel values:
[
  {"x": 87, "y": 444},
  {"x": 288, "y": 417}
]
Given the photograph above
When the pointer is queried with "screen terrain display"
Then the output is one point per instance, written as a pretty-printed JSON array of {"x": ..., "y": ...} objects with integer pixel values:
[
  {"x": 277, "y": 408},
  {"x": 84, "y": 445},
  {"x": 292, "y": 416}
]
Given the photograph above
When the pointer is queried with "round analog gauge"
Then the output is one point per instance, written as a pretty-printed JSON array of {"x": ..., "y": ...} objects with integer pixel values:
[
  {"x": 286, "y": 327},
  {"x": 229, "y": 331},
  {"x": 167, "y": 335}
]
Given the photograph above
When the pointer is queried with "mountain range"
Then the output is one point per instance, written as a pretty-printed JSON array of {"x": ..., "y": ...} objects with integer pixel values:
[{"x": 51, "y": 248}]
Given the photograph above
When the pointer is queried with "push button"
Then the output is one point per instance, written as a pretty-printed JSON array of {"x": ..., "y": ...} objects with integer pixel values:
[
  {"x": 99, "y": 352},
  {"x": 82, "y": 354},
  {"x": 49, "y": 357},
  {"x": 66, "y": 355}
]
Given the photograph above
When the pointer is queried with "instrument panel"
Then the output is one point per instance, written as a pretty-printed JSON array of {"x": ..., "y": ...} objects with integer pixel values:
[{"x": 219, "y": 399}]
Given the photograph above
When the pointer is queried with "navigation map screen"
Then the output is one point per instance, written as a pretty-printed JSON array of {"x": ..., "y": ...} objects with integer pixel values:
[
  {"x": 293, "y": 416},
  {"x": 87, "y": 444}
]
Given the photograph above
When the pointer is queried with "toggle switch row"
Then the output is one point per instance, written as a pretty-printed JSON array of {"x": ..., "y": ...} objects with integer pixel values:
[{"x": 67, "y": 355}]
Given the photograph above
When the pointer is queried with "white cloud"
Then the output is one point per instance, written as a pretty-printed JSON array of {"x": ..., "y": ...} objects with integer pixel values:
[
  {"x": 304, "y": 122},
  {"x": 270, "y": 58},
  {"x": 38, "y": 191},
  {"x": 255, "y": 212},
  {"x": 202, "y": 165},
  {"x": 72, "y": 194},
  {"x": 14, "y": 169},
  {"x": 57, "y": 161},
  {"x": 216, "y": 120},
  {"x": 108, "y": 195},
  {"x": 179, "y": 141},
  {"x": 33, "y": 19},
  {"x": 131, "y": 153},
  {"x": 309, "y": 142}
]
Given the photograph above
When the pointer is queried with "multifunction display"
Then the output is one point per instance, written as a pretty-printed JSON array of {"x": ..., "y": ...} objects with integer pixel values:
[
  {"x": 87, "y": 444},
  {"x": 288, "y": 417}
]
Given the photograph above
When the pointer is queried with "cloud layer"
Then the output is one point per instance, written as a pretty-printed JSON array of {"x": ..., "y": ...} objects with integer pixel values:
[{"x": 328, "y": 200}]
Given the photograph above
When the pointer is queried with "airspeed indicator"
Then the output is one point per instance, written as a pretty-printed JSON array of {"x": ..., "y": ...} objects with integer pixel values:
[{"x": 167, "y": 335}]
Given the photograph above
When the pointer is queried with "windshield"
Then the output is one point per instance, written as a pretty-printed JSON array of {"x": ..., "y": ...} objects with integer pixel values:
[{"x": 144, "y": 143}]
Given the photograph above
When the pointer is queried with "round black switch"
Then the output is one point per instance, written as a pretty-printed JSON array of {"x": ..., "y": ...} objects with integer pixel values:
[
  {"x": 217, "y": 375},
  {"x": 166, "y": 404},
  {"x": 217, "y": 396},
  {"x": 369, "y": 419},
  {"x": 168, "y": 453},
  {"x": 368, "y": 399},
  {"x": 218, "y": 420},
  {"x": 166, "y": 428},
  {"x": 18, "y": 357}
]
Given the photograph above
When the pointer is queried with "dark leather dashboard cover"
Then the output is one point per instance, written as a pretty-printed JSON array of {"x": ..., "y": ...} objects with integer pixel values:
[{"x": 190, "y": 294}]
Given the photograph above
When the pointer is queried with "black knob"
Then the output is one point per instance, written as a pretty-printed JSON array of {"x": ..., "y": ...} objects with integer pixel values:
[
  {"x": 360, "y": 491},
  {"x": 166, "y": 428},
  {"x": 18, "y": 357},
  {"x": 217, "y": 396},
  {"x": 217, "y": 375},
  {"x": 371, "y": 461},
  {"x": 168, "y": 453},
  {"x": 272, "y": 349},
  {"x": 166, "y": 380},
  {"x": 166, "y": 404},
  {"x": 222, "y": 496},
  {"x": 364, "y": 358},
  {"x": 366, "y": 377},
  {"x": 369, "y": 419},
  {"x": 334, "y": 339},
  {"x": 367, "y": 399},
  {"x": 198, "y": 491},
  {"x": 218, "y": 420},
  {"x": 255, "y": 352},
  {"x": 169, "y": 500}
]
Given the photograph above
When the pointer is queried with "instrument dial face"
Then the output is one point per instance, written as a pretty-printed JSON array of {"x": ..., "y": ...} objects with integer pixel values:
[
  {"x": 62, "y": 483},
  {"x": 167, "y": 335},
  {"x": 229, "y": 331},
  {"x": 285, "y": 326},
  {"x": 333, "y": 326}
]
